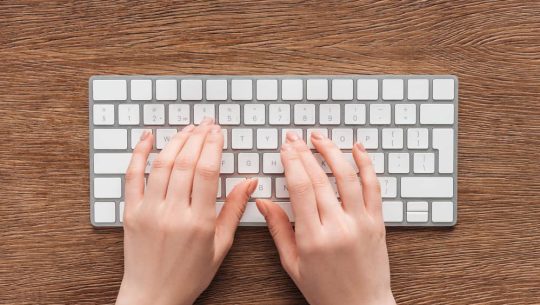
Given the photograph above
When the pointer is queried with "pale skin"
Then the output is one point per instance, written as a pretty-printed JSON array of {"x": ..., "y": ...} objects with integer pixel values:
[{"x": 174, "y": 242}]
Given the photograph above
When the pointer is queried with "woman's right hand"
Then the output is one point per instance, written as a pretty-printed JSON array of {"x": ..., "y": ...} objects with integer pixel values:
[{"x": 337, "y": 252}]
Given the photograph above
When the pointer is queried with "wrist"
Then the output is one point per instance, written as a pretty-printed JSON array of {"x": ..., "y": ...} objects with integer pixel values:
[{"x": 127, "y": 296}]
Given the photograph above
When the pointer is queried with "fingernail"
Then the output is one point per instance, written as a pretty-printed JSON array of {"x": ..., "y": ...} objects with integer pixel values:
[
  {"x": 317, "y": 135},
  {"x": 188, "y": 128},
  {"x": 207, "y": 120},
  {"x": 292, "y": 136},
  {"x": 360, "y": 146},
  {"x": 262, "y": 207},
  {"x": 144, "y": 135},
  {"x": 286, "y": 147},
  {"x": 252, "y": 185},
  {"x": 215, "y": 129}
]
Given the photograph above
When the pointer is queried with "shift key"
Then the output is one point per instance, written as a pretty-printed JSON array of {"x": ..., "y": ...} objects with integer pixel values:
[{"x": 427, "y": 187}]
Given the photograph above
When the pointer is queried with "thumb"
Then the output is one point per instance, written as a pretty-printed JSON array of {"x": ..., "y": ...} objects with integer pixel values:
[
  {"x": 232, "y": 211},
  {"x": 282, "y": 232}
]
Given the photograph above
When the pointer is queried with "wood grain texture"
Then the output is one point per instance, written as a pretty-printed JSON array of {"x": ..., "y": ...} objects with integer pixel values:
[{"x": 49, "y": 253}]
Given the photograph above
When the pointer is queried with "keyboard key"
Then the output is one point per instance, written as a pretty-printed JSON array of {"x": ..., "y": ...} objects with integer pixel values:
[
  {"x": 291, "y": 90},
  {"x": 281, "y": 188},
  {"x": 343, "y": 137},
  {"x": 241, "y": 90},
  {"x": 379, "y": 114},
  {"x": 398, "y": 163},
  {"x": 377, "y": 159},
  {"x": 417, "y": 206},
  {"x": 442, "y": 211},
  {"x": 136, "y": 135},
  {"x": 434, "y": 187},
  {"x": 349, "y": 157},
  {"x": 317, "y": 89},
  {"x": 218, "y": 194},
  {"x": 417, "y": 89},
  {"x": 322, "y": 131},
  {"x": 437, "y": 114},
  {"x": 304, "y": 114},
  {"x": 179, "y": 114},
  {"x": 154, "y": 114},
  {"x": 405, "y": 114},
  {"x": 342, "y": 89},
  {"x": 166, "y": 90},
  {"x": 201, "y": 111},
  {"x": 149, "y": 163},
  {"x": 111, "y": 163},
  {"x": 443, "y": 89},
  {"x": 229, "y": 114},
  {"x": 417, "y": 138},
  {"x": 392, "y": 89},
  {"x": 141, "y": 90},
  {"x": 109, "y": 90},
  {"x": 216, "y": 90},
  {"x": 128, "y": 114},
  {"x": 329, "y": 114},
  {"x": 263, "y": 189},
  {"x": 417, "y": 217},
  {"x": 392, "y": 211},
  {"x": 103, "y": 114},
  {"x": 367, "y": 89},
  {"x": 163, "y": 136},
  {"x": 443, "y": 141},
  {"x": 369, "y": 137},
  {"x": 272, "y": 163},
  {"x": 267, "y": 89},
  {"x": 110, "y": 139},
  {"x": 254, "y": 114},
  {"x": 279, "y": 114},
  {"x": 248, "y": 163},
  {"x": 191, "y": 89},
  {"x": 227, "y": 163},
  {"x": 392, "y": 138},
  {"x": 267, "y": 138},
  {"x": 121, "y": 211},
  {"x": 104, "y": 212},
  {"x": 355, "y": 114},
  {"x": 107, "y": 187},
  {"x": 388, "y": 187},
  {"x": 424, "y": 163},
  {"x": 242, "y": 138}
]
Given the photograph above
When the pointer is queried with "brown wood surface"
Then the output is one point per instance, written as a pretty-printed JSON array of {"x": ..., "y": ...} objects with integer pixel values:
[{"x": 49, "y": 253}]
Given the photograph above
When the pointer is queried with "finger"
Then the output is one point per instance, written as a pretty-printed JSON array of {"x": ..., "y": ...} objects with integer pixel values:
[
  {"x": 349, "y": 188},
  {"x": 205, "y": 182},
  {"x": 370, "y": 184},
  {"x": 282, "y": 232},
  {"x": 232, "y": 211},
  {"x": 162, "y": 165},
  {"x": 301, "y": 193},
  {"x": 181, "y": 180},
  {"x": 327, "y": 203},
  {"x": 134, "y": 187}
]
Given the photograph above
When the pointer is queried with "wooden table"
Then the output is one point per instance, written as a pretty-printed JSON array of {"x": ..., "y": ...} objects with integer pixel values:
[{"x": 49, "y": 253}]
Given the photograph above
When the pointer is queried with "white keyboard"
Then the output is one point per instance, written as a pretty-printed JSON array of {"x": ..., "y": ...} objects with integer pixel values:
[{"x": 408, "y": 124}]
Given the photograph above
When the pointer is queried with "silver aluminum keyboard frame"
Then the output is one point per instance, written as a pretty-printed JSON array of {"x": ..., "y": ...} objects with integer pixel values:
[{"x": 317, "y": 125}]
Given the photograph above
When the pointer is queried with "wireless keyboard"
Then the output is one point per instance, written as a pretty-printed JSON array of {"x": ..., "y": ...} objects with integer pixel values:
[{"x": 408, "y": 124}]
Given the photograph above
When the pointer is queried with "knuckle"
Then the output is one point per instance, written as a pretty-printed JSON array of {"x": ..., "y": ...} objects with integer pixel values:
[
  {"x": 319, "y": 181},
  {"x": 207, "y": 171},
  {"x": 183, "y": 163},
  {"x": 132, "y": 174},
  {"x": 372, "y": 183},
  {"x": 160, "y": 163}
]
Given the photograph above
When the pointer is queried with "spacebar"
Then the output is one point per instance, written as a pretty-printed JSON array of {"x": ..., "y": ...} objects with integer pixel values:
[{"x": 430, "y": 187}]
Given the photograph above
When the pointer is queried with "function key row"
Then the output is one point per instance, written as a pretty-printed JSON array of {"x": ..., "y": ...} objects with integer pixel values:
[{"x": 316, "y": 89}]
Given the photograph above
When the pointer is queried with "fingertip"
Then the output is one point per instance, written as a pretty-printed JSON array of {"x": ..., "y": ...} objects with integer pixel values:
[
  {"x": 360, "y": 147},
  {"x": 253, "y": 182},
  {"x": 262, "y": 207}
]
